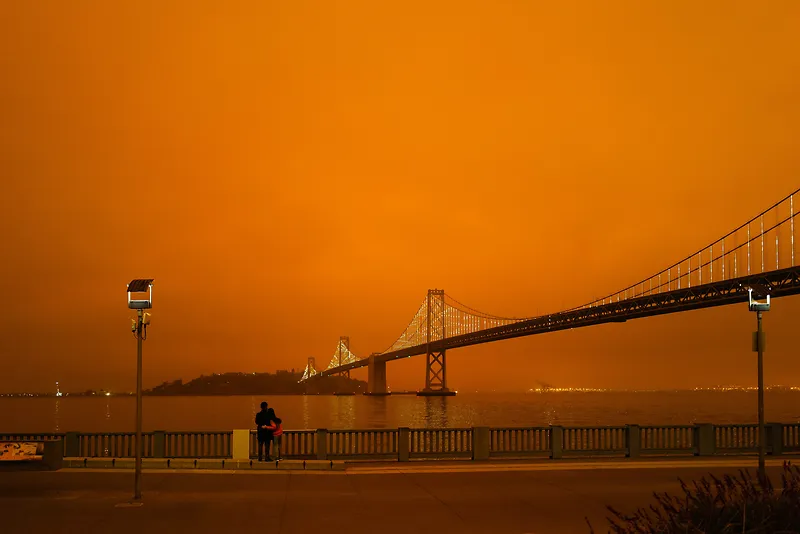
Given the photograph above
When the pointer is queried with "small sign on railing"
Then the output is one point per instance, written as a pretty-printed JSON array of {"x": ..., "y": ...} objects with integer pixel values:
[{"x": 20, "y": 451}]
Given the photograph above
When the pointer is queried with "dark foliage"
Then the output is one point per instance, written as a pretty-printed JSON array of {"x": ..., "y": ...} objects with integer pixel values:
[
  {"x": 279, "y": 383},
  {"x": 731, "y": 504}
]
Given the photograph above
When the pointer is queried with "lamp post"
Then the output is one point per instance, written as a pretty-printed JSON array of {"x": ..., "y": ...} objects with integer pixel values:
[
  {"x": 758, "y": 297},
  {"x": 139, "y": 328}
]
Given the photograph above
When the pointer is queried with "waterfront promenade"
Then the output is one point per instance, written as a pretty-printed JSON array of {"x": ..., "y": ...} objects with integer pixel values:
[
  {"x": 387, "y": 497},
  {"x": 404, "y": 444}
]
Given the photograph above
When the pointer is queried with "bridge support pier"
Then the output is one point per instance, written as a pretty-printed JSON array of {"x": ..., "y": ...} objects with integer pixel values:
[
  {"x": 376, "y": 383},
  {"x": 436, "y": 376}
]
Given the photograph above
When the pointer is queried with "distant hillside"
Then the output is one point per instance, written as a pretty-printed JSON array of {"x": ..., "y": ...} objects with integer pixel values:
[{"x": 280, "y": 383}]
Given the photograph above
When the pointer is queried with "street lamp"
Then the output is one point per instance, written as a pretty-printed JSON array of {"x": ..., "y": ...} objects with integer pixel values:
[
  {"x": 139, "y": 328},
  {"x": 758, "y": 297}
]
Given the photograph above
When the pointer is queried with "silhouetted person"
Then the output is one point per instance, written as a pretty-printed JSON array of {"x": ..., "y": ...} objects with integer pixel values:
[
  {"x": 276, "y": 427},
  {"x": 263, "y": 432}
]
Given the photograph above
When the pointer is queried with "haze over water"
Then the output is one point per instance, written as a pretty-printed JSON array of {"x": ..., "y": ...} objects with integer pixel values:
[
  {"x": 292, "y": 172},
  {"x": 116, "y": 414}
]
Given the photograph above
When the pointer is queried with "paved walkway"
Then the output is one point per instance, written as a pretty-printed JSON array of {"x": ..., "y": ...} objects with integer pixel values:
[{"x": 458, "y": 497}]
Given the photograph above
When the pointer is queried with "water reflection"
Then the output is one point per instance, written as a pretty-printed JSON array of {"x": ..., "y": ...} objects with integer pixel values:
[
  {"x": 117, "y": 414},
  {"x": 56, "y": 417},
  {"x": 377, "y": 412},
  {"x": 343, "y": 411},
  {"x": 549, "y": 416},
  {"x": 435, "y": 412}
]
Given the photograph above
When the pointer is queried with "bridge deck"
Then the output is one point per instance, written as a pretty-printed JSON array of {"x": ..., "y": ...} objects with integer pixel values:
[{"x": 784, "y": 282}]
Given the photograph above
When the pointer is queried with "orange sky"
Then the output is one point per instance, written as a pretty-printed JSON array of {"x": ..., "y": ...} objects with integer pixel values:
[{"x": 290, "y": 172}]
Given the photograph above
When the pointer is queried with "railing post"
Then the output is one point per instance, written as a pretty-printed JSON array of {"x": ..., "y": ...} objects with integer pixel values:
[
  {"x": 634, "y": 435},
  {"x": 403, "y": 444},
  {"x": 241, "y": 444},
  {"x": 322, "y": 444},
  {"x": 775, "y": 438},
  {"x": 480, "y": 443},
  {"x": 705, "y": 439},
  {"x": 72, "y": 445},
  {"x": 53, "y": 454},
  {"x": 556, "y": 442},
  {"x": 159, "y": 444}
]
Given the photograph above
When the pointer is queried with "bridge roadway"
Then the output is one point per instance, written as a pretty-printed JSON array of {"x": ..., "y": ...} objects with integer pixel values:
[
  {"x": 784, "y": 282},
  {"x": 440, "y": 497}
]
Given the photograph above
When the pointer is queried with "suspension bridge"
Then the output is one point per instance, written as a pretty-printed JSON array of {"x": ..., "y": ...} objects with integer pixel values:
[{"x": 759, "y": 253}]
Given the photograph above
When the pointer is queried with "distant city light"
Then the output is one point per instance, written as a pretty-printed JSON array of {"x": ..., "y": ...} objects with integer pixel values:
[{"x": 610, "y": 390}]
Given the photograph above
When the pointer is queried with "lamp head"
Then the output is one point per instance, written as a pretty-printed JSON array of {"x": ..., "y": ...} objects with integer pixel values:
[
  {"x": 140, "y": 285},
  {"x": 758, "y": 298}
]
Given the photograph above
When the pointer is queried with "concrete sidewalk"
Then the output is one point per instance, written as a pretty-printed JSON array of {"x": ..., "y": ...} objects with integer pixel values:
[
  {"x": 457, "y": 497},
  {"x": 576, "y": 464}
]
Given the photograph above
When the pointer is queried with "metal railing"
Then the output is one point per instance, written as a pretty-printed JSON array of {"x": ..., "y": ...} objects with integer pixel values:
[
  {"x": 519, "y": 441},
  {"x": 299, "y": 444},
  {"x": 607, "y": 439},
  {"x": 198, "y": 444},
  {"x": 666, "y": 439},
  {"x": 31, "y": 436},
  {"x": 736, "y": 437},
  {"x": 355, "y": 443},
  {"x": 791, "y": 437},
  {"x": 113, "y": 445},
  {"x": 441, "y": 442},
  {"x": 418, "y": 443}
]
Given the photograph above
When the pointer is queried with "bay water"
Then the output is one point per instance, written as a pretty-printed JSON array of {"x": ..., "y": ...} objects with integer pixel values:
[{"x": 183, "y": 413}]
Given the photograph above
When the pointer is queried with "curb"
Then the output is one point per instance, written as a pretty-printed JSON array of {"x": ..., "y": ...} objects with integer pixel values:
[{"x": 221, "y": 464}]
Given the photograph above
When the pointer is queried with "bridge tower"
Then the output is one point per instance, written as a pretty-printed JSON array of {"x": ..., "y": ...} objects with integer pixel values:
[
  {"x": 436, "y": 365},
  {"x": 344, "y": 346},
  {"x": 312, "y": 386}
]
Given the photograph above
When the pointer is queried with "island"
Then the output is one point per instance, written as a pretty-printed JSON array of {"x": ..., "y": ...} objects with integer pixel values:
[{"x": 278, "y": 383}]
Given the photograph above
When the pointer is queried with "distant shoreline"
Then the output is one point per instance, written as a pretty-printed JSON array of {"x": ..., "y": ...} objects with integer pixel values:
[
  {"x": 81, "y": 396},
  {"x": 784, "y": 389}
]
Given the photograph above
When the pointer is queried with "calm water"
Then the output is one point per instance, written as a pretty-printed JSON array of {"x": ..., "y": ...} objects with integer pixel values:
[{"x": 492, "y": 409}]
